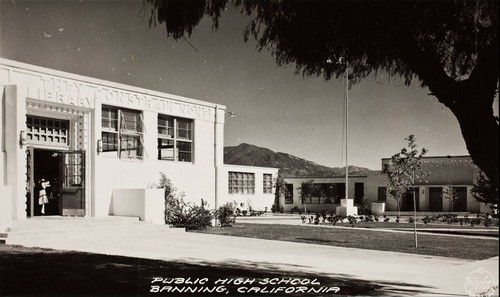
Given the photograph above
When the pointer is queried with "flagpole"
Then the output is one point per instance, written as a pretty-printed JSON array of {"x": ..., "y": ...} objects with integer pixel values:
[{"x": 346, "y": 122}]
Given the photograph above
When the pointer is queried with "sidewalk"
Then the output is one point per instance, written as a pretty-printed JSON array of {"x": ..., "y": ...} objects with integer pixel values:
[{"x": 401, "y": 274}]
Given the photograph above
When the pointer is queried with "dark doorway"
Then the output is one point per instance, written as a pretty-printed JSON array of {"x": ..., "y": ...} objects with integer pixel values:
[
  {"x": 461, "y": 202},
  {"x": 47, "y": 166},
  {"x": 435, "y": 199},
  {"x": 63, "y": 174},
  {"x": 359, "y": 193},
  {"x": 407, "y": 203}
]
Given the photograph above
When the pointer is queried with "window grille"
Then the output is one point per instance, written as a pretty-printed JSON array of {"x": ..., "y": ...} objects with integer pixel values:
[
  {"x": 241, "y": 183},
  {"x": 47, "y": 130}
]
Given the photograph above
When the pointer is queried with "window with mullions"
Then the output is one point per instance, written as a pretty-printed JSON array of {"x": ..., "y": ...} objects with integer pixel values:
[
  {"x": 241, "y": 183},
  {"x": 122, "y": 132},
  {"x": 268, "y": 184},
  {"x": 324, "y": 193},
  {"x": 289, "y": 194},
  {"x": 175, "y": 139}
]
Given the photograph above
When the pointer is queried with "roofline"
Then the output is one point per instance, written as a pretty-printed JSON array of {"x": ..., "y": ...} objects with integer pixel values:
[
  {"x": 105, "y": 83},
  {"x": 250, "y": 166},
  {"x": 436, "y": 157},
  {"x": 333, "y": 176}
]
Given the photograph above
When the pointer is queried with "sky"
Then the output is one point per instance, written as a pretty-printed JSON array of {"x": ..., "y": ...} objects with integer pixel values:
[{"x": 274, "y": 107}]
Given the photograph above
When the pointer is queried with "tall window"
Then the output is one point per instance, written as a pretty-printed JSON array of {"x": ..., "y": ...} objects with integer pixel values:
[
  {"x": 289, "y": 194},
  {"x": 382, "y": 194},
  {"x": 241, "y": 183},
  {"x": 122, "y": 132},
  {"x": 175, "y": 139},
  {"x": 267, "y": 184}
]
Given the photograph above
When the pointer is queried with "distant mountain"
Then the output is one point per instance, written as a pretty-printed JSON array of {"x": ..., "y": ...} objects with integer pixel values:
[{"x": 251, "y": 155}]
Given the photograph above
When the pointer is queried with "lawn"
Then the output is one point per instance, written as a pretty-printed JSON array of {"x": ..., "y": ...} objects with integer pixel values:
[
  {"x": 43, "y": 272},
  {"x": 432, "y": 245}
]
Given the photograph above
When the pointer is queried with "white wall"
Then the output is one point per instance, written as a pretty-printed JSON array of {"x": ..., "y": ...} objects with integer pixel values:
[
  {"x": 105, "y": 171},
  {"x": 257, "y": 201}
]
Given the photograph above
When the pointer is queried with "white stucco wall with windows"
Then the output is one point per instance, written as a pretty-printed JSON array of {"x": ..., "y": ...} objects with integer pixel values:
[
  {"x": 316, "y": 203},
  {"x": 31, "y": 90},
  {"x": 244, "y": 187},
  {"x": 456, "y": 172}
]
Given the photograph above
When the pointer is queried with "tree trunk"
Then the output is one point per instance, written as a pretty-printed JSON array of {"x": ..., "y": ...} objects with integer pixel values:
[
  {"x": 479, "y": 127},
  {"x": 470, "y": 100}
]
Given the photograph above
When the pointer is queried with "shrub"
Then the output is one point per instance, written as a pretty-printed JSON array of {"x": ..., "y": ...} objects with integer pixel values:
[
  {"x": 198, "y": 217},
  {"x": 256, "y": 212},
  {"x": 294, "y": 209},
  {"x": 225, "y": 215},
  {"x": 411, "y": 220},
  {"x": 189, "y": 216},
  {"x": 352, "y": 219},
  {"x": 364, "y": 207},
  {"x": 174, "y": 204},
  {"x": 244, "y": 212},
  {"x": 276, "y": 208}
]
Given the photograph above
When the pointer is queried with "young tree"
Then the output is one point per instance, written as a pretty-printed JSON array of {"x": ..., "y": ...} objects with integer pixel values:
[
  {"x": 450, "y": 193},
  {"x": 280, "y": 190},
  {"x": 449, "y": 46},
  {"x": 306, "y": 190},
  {"x": 484, "y": 191},
  {"x": 402, "y": 171}
]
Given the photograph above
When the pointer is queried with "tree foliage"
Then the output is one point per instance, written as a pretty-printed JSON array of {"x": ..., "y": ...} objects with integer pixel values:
[
  {"x": 308, "y": 189},
  {"x": 280, "y": 190},
  {"x": 403, "y": 169},
  {"x": 450, "y": 46},
  {"x": 450, "y": 193},
  {"x": 484, "y": 191}
]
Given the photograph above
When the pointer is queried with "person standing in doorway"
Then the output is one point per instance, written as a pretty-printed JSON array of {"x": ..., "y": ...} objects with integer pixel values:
[{"x": 42, "y": 194}]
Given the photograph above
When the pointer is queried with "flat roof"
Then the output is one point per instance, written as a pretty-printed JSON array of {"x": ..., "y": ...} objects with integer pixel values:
[
  {"x": 332, "y": 176},
  {"x": 440, "y": 157}
]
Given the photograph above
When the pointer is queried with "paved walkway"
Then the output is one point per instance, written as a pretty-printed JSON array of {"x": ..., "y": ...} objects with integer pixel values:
[{"x": 400, "y": 274}]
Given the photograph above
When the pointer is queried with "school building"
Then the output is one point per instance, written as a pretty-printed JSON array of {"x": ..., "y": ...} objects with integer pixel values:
[
  {"x": 445, "y": 175},
  {"x": 100, "y": 144}
]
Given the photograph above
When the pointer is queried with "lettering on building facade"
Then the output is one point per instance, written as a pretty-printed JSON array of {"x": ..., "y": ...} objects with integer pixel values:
[{"x": 86, "y": 95}]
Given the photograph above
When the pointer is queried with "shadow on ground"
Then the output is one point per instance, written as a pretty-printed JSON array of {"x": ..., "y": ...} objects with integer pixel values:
[{"x": 43, "y": 272}]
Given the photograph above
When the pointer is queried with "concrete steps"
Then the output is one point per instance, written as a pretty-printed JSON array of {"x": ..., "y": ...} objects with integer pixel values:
[{"x": 37, "y": 229}]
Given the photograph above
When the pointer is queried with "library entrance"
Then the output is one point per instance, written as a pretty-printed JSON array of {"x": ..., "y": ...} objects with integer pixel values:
[{"x": 55, "y": 182}]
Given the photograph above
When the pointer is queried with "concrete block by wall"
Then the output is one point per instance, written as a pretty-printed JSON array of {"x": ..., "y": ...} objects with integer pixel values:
[{"x": 147, "y": 204}]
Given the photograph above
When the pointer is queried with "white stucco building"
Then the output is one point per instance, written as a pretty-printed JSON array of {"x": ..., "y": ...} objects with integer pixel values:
[
  {"x": 456, "y": 172},
  {"x": 90, "y": 138}
]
